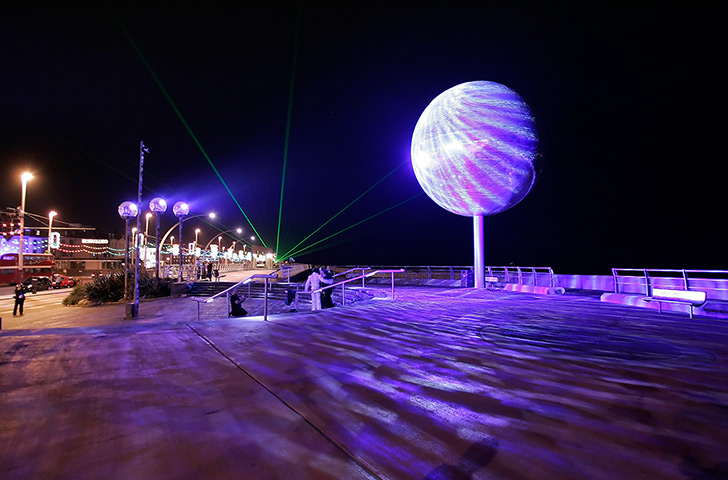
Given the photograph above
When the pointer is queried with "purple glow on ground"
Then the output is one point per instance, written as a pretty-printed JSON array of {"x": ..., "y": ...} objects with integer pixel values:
[{"x": 473, "y": 149}]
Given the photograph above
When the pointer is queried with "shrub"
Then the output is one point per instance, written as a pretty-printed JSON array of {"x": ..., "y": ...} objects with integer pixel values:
[
  {"x": 77, "y": 294},
  {"x": 153, "y": 287},
  {"x": 110, "y": 288},
  {"x": 106, "y": 288}
]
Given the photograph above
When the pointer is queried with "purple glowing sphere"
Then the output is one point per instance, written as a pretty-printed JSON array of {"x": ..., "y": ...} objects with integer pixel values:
[{"x": 473, "y": 149}]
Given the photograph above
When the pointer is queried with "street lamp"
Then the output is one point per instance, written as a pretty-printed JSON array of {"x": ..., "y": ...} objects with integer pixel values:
[
  {"x": 51, "y": 214},
  {"x": 181, "y": 210},
  {"x": 146, "y": 232},
  {"x": 157, "y": 205},
  {"x": 197, "y": 235},
  {"x": 171, "y": 229},
  {"x": 24, "y": 181},
  {"x": 219, "y": 239},
  {"x": 127, "y": 211}
]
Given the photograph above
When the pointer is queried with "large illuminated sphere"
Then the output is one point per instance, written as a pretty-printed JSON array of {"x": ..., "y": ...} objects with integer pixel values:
[{"x": 473, "y": 149}]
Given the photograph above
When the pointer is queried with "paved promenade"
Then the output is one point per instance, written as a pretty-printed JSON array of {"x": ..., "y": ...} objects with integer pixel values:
[{"x": 436, "y": 384}]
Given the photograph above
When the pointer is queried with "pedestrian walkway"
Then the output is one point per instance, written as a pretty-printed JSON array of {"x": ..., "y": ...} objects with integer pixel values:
[{"x": 438, "y": 383}]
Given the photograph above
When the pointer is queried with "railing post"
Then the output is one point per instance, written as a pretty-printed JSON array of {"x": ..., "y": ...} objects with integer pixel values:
[
  {"x": 343, "y": 295},
  {"x": 392, "y": 273},
  {"x": 647, "y": 283},
  {"x": 362, "y": 278},
  {"x": 685, "y": 281},
  {"x": 535, "y": 278},
  {"x": 265, "y": 300}
]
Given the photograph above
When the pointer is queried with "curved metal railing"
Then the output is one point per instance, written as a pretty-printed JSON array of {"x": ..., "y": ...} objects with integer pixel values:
[
  {"x": 349, "y": 280},
  {"x": 247, "y": 281}
]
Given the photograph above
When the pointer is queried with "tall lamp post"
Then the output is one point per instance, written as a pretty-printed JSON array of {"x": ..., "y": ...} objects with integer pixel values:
[
  {"x": 157, "y": 205},
  {"x": 146, "y": 238},
  {"x": 181, "y": 210},
  {"x": 24, "y": 181},
  {"x": 51, "y": 214},
  {"x": 127, "y": 211},
  {"x": 171, "y": 249}
]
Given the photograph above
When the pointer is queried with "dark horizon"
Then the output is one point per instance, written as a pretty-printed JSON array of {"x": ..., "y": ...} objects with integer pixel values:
[{"x": 627, "y": 104}]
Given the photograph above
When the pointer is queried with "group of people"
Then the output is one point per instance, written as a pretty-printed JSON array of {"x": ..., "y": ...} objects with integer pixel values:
[
  {"x": 320, "y": 278},
  {"x": 208, "y": 271}
]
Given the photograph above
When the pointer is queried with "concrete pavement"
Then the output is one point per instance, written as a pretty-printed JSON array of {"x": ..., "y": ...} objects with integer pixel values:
[{"x": 439, "y": 383}]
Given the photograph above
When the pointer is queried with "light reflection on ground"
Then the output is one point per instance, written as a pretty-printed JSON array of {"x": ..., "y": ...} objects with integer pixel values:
[{"x": 437, "y": 384}]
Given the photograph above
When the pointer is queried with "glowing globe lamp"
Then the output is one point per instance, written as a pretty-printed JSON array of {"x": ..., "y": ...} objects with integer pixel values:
[
  {"x": 473, "y": 149},
  {"x": 473, "y": 152}
]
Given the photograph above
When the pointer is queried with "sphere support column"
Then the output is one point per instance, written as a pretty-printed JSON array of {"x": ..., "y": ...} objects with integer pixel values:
[{"x": 479, "y": 251}]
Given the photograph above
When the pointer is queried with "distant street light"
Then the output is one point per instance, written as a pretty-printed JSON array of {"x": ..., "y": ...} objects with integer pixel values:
[
  {"x": 157, "y": 205},
  {"x": 181, "y": 210},
  {"x": 219, "y": 239},
  {"x": 127, "y": 211},
  {"x": 24, "y": 181},
  {"x": 51, "y": 214},
  {"x": 171, "y": 229},
  {"x": 197, "y": 235}
]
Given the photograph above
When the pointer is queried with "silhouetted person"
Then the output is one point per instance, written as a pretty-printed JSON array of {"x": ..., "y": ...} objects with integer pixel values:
[
  {"x": 236, "y": 306},
  {"x": 327, "y": 278},
  {"x": 19, "y": 295}
]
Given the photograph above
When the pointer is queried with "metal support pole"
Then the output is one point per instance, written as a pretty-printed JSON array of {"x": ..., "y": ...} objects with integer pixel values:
[
  {"x": 156, "y": 214},
  {"x": 392, "y": 273},
  {"x": 179, "y": 273},
  {"x": 479, "y": 251},
  {"x": 126, "y": 262},
  {"x": 265, "y": 300}
]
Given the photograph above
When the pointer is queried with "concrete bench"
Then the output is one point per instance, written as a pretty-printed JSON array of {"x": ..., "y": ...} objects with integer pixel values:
[{"x": 692, "y": 298}]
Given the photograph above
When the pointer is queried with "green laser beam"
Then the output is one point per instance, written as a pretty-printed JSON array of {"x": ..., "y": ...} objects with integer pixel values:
[
  {"x": 288, "y": 127},
  {"x": 299, "y": 252},
  {"x": 286, "y": 255},
  {"x": 181, "y": 118}
]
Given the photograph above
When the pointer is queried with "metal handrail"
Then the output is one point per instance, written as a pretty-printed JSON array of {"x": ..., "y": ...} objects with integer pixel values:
[
  {"x": 516, "y": 274},
  {"x": 349, "y": 280},
  {"x": 681, "y": 274},
  {"x": 247, "y": 281},
  {"x": 363, "y": 269}
]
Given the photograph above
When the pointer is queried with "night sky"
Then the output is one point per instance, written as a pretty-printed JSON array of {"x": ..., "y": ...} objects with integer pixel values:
[{"x": 629, "y": 103}]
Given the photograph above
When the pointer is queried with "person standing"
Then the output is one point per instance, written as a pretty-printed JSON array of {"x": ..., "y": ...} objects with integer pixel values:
[
  {"x": 19, "y": 299},
  {"x": 313, "y": 282},
  {"x": 327, "y": 279}
]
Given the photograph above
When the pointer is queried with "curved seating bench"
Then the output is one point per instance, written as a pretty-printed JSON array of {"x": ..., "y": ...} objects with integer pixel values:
[{"x": 693, "y": 298}]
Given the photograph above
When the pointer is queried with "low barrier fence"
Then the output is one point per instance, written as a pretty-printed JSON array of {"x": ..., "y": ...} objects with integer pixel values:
[{"x": 642, "y": 281}]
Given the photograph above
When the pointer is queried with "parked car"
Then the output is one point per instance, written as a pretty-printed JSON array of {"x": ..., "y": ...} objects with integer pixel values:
[
  {"x": 63, "y": 281},
  {"x": 37, "y": 283}
]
